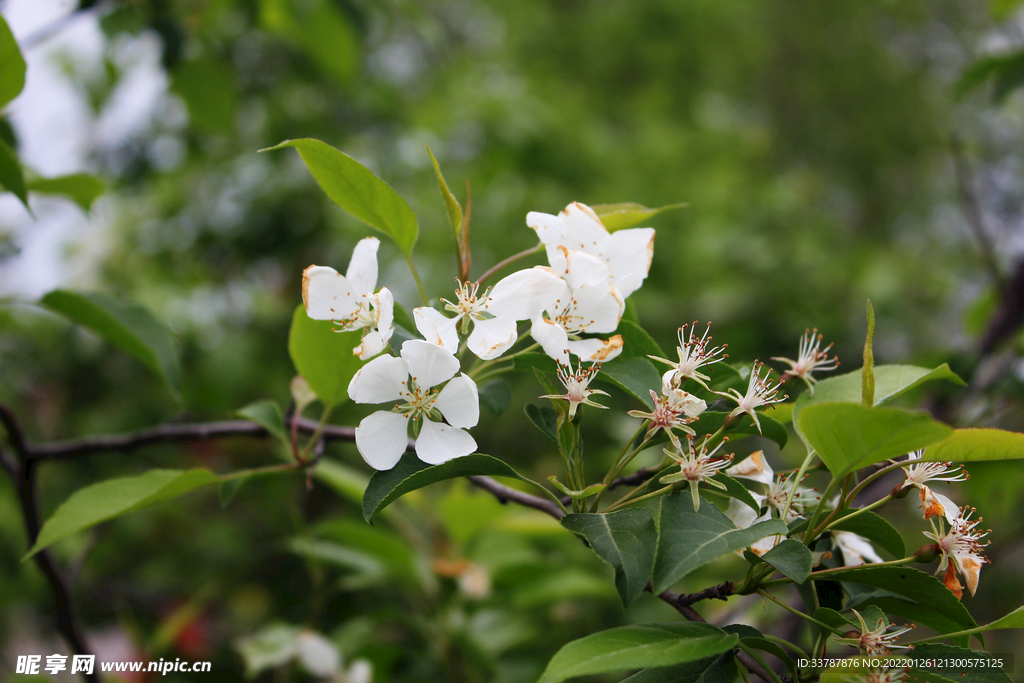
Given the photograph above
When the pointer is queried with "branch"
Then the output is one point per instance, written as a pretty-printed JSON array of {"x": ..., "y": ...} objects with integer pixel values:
[{"x": 505, "y": 494}]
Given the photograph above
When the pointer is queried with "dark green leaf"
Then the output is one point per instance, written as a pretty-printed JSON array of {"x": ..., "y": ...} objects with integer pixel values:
[
  {"x": 709, "y": 670},
  {"x": 792, "y": 558},
  {"x": 636, "y": 376},
  {"x": 1006, "y": 72},
  {"x": 495, "y": 395},
  {"x": 877, "y": 530},
  {"x": 626, "y": 215},
  {"x": 737, "y": 490},
  {"x": 545, "y": 419},
  {"x": 689, "y": 539},
  {"x": 711, "y": 421},
  {"x": 974, "y": 445},
  {"x": 751, "y": 638},
  {"x": 534, "y": 361},
  {"x": 632, "y": 647},
  {"x": 132, "y": 327},
  {"x": 636, "y": 343},
  {"x": 321, "y": 29},
  {"x": 1014, "y": 619},
  {"x": 411, "y": 473},
  {"x": 12, "y": 178},
  {"x": 266, "y": 414},
  {"x": 626, "y": 540},
  {"x": 356, "y": 189},
  {"x": 450, "y": 202},
  {"x": 227, "y": 490},
  {"x": 12, "y": 65},
  {"x": 81, "y": 188},
  {"x": 833, "y": 619},
  {"x": 323, "y": 357},
  {"x": 106, "y": 500},
  {"x": 983, "y": 672},
  {"x": 849, "y": 436}
]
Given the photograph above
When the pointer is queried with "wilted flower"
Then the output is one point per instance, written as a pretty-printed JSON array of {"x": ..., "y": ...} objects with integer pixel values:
[
  {"x": 382, "y": 437},
  {"x": 760, "y": 392},
  {"x": 961, "y": 548},
  {"x": 696, "y": 467},
  {"x": 577, "y": 386},
  {"x": 920, "y": 473},
  {"x": 672, "y": 410},
  {"x": 878, "y": 640},
  {"x": 693, "y": 355},
  {"x": 348, "y": 300},
  {"x": 810, "y": 359}
]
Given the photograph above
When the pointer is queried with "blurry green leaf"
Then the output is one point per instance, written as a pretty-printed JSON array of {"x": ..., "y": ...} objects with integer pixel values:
[
  {"x": 710, "y": 421},
  {"x": 356, "y": 189},
  {"x": 565, "y": 584},
  {"x": 130, "y": 326},
  {"x": 411, "y": 473},
  {"x": 833, "y": 619},
  {"x": 269, "y": 648},
  {"x": 626, "y": 215},
  {"x": 11, "y": 177},
  {"x": 636, "y": 646},
  {"x": 984, "y": 671},
  {"x": 849, "y": 436},
  {"x": 867, "y": 371},
  {"x": 106, "y": 500},
  {"x": 736, "y": 490},
  {"x": 385, "y": 547},
  {"x": 266, "y": 414},
  {"x": 450, "y": 202},
  {"x": 973, "y": 445},
  {"x": 320, "y": 29},
  {"x": 209, "y": 90},
  {"x": 636, "y": 343},
  {"x": 81, "y": 188},
  {"x": 227, "y": 490},
  {"x": 792, "y": 558},
  {"x": 1005, "y": 72},
  {"x": 626, "y": 540},
  {"x": 689, "y": 539},
  {"x": 12, "y": 65},
  {"x": 635, "y": 376},
  {"x": 545, "y": 419},
  {"x": 496, "y": 395},
  {"x": 346, "y": 482},
  {"x": 323, "y": 357},
  {"x": 534, "y": 361},
  {"x": 337, "y": 554}
]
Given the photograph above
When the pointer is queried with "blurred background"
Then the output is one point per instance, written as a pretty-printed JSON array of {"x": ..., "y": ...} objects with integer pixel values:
[{"x": 829, "y": 153}]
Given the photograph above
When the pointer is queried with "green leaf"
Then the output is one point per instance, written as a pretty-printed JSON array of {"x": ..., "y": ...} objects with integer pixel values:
[
  {"x": 227, "y": 490},
  {"x": 12, "y": 65},
  {"x": 925, "y": 598},
  {"x": 356, "y": 189},
  {"x": 626, "y": 540},
  {"x": 849, "y": 436},
  {"x": 209, "y": 90},
  {"x": 496, "y": 395},
  {"x": 411, "y": 473},
  {"x": 534, "y": 361},
  {"x": 751, "y": 638},
  {"x": 545, "y": 419},
  {"x": 1006, "y": 72},
  {"x": 11, "y": 176},
  {"x": 984, "y": 672},
  {"x": 736, "y": 490},
  {"x": 115, "y": 497},
  {"x": 130, "y": 326},
  {"x": 1014, "y": 619},
  {"x": 323, "y": 357},
  {"x": 81, "y": 188},
  {"x": 689, "y": 539},
  {"x": 450, "y": 202},
  {"x": 833, "y": 619},
  {"x": 710, "y": 421},
  {"x": 709, "y": 670},
  {"x": 975, "y": 445},
  {"x": 877, "y": 530},
  {"x": 626, "y": 215},
  {"x": 636, "y": 376},
  {"x": 266, "y": 414},
  {"x": 867, "y": 372},
  {"x": 636, "y": 646},
  {"x": 636, "y": 343},
  {"x": 321, "y": 29},
  {"x": 792, "y": 558},
  {"x": 565, "y": 584}
]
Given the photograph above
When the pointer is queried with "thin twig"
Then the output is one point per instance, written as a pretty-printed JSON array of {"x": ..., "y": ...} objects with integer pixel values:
[{"x": 505, "y": 494}]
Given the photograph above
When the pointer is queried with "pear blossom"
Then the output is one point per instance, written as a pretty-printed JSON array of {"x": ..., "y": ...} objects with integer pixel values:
[
  {"x": 696, "y": 466},
  {"x": 382, "y": 437},
  {"x": 760, "y": 392},
  {"x": 856, "y": 549},
  {"x": 754, "y": 467},
  {"x": 693, "y": 355},
  {"x": 741, "y": 514},
  {"x": 349, "y": 300},
  {"x": 877, "y": 640},
  {"x": 627, "y": 253},
  {"x": 920, "y": 473},
  {"x": 810, "y": 358},
  {"x": 577, "y": 386},
  {"x": 588, "y": 303},
  {"x": 961, "y": 548},
  {"x": 520, "y": 296},
  {"x": 673, "y": 409}
]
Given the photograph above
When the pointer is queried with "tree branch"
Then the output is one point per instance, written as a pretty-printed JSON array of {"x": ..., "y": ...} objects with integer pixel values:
[{"x": 505, "y": 494}]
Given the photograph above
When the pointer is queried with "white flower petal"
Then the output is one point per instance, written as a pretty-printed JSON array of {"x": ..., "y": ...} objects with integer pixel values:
[
  {"x": 459, "y": 402},
  {"x": 596, "y": 350},
  {"x": 361, "y": 671},
  {"x": 492, "y": 337},
  {"x": 550, "y": 229},
  {"x": 856, "y": 549},
  {"x": 755, "y": 467},
  {"x": 372, "y": 344},
  {"x": 317, "y": 655},
  {"x": 577, "y": 267},
  {"x": 382, "y": 438},
  {"x": 440, "y": 443},
  {"x": 933, "y": 504},
  {"x": 628, "y": 253},
  {"x": 379, "y": 381},
  {"x": 970, "y": 567},
  {"x": 327, "y": 294},
  {"x": 596, "y": 308},
  {"x": 741, "y": 514},
  {"x": 552, "y": 338},
  {"x": 525, "y": 294},
  {"x": 384, "y": 309},
  {"x": 362, "y": 268},
  {"x": 585, "y": 230},
  {"x": 429, "y": 364},
  {"x": 436, "y": 328}
]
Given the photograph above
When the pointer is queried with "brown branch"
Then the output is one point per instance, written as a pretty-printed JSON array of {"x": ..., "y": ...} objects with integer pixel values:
[{"x": 505, "y": 494}]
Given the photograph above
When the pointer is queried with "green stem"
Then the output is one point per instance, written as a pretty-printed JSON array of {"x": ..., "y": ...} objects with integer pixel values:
[
  {"x": 822, "y": 624},
  {"x": 839, "y": 571},
  {"x": 812, "y": 523},
  {"x": 785, "y": 643},
  {"x": 416, "y": 277},
  {"x": 270, "y": 469},
  {"x": 621, "y": 460},
  {"x": 654, "y": 494},
  {"x": 303, "y": 457},
  {"x": 866, "y": 508},
  {"x": 508, "y": 261},
  {"x": 873, "y": 476},
  {"x": 757, "y": 658},
  {"x": 487, "y": 365},
  {"x": 799, "y": 477}
]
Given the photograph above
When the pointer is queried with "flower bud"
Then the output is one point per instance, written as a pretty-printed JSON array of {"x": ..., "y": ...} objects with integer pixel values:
[{"x": 927, "y": 553}]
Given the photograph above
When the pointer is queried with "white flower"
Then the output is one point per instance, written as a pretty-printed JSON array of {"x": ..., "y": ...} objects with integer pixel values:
[
  {"x": 627, "y": 253},
  {"x": 760, "y": 392},
  {"x": 740, "y": 514},
  {"x": 919, "y": 474},
  {"x": 674, "y": 409},
  {"x": 693, "y": 355},
  {"x": 317, "y": 655},
  {"x": 587, "y": 303},
  {"x": 961, "y": 549},
  {"x": 856, "y": 549},
  {"x": 755, "y": 467},
  {"x": 348, "y": 299},
  {"x": 382, "y": 437},
  {"x": 520, "y": 296},
  {"x": 810, "y": 359},
  {"x": 577, "y": 386}
]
